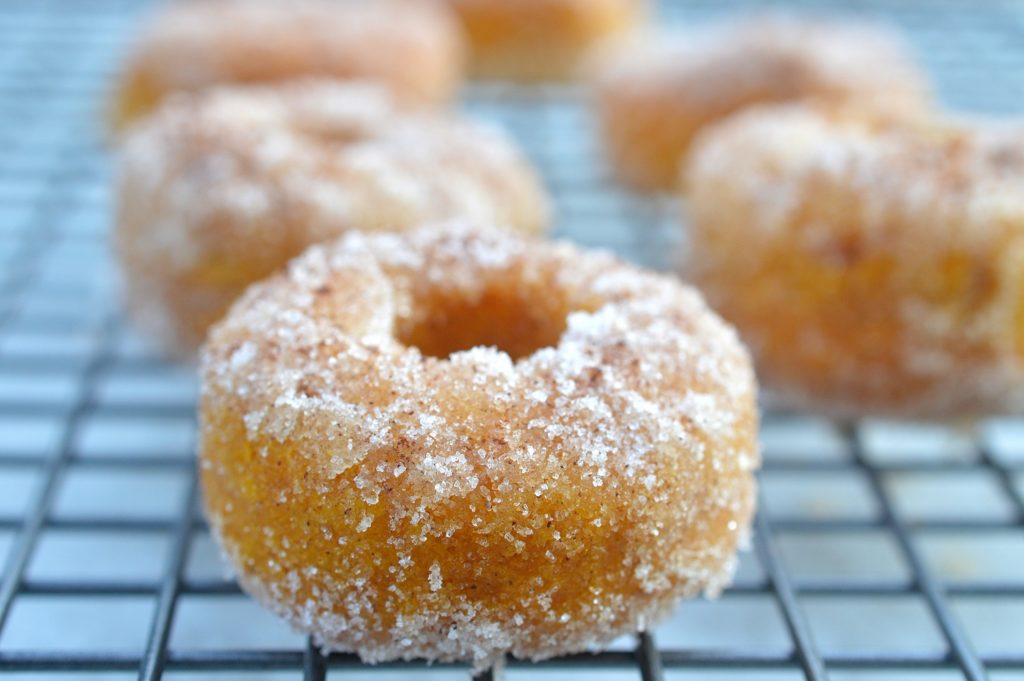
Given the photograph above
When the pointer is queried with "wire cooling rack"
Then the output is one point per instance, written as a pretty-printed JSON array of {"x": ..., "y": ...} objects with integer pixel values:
[{"x": 883, "y": 550}]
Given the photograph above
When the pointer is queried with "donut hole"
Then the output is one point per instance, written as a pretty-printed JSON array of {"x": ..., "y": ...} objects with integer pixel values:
[{"x": 516, "y": 321}]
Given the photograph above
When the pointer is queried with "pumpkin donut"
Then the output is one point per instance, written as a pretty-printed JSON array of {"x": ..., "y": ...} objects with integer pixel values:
[
  {"x": 651, "y": 101},
  {"x": 874, "y": 264},
  {"x": 452, "y": 444},
  {"x": 218, "y": 190},
  {"x": 413, "y": 47},
  {"x": 542, "y": 40}
]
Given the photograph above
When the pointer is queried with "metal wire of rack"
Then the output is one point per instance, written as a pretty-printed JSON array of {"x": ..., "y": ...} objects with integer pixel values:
[{"x": 882, "y": 550}]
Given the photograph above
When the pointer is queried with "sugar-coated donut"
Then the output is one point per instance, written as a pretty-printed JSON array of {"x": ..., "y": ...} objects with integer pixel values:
[
  {"x": 414, "y": 47},
  {"x": 220, "y": 189},
  {"x": 540, "y": 40},
  {"x": 875, "y": 265},
  {"x": 453, "y": 444},
  {"x": 651, "y": 101}
]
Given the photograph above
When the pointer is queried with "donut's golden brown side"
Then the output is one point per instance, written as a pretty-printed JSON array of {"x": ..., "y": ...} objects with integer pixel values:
[
  {"x": 414, "y": 48},
  {"x": 540, "y": 40},
  {"x": 453, "y": 444},
  {"x": 219, "y": 190},
  {"x": 652, "y": 101},
  {"x": 875, "y": 266}
]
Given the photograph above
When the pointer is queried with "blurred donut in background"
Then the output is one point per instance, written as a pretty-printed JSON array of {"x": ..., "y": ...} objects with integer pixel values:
[
  {"x": 652, "y": 100},
  {"x": 413, "y": 47},
  {"x": 218, "y": 190},
  {"x": 874, "y": 264},
  {"x": 539, "y": 40}
]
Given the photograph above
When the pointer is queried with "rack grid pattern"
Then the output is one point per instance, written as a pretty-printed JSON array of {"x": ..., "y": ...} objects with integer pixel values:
[{"x": 882, "y": 550}]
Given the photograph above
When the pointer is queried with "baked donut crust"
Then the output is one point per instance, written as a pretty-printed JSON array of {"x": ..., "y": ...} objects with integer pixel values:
[
  {"x": 413, "y": 47},
  {"x": 542, "y": 40},
  {"x": 873, "y": 264},
  {"x": 220, "y": 189},
  {"x": 460, "y": 502},
  {"x": 651, "y": 101}
]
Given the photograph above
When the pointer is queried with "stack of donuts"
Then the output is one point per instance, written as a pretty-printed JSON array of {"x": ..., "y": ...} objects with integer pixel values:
[{"x": 426, "y": 432}]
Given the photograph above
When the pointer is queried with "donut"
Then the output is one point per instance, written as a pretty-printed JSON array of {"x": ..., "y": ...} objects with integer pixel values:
[
  {"x": 219, "y": 189},
  {"x": 650, "y": 102},
  {"x": 542, "y": 40},
  {"x": 456, "y": 443},
  {"x": 413, "y": 47},
  {"x": 873, "y": 264}
]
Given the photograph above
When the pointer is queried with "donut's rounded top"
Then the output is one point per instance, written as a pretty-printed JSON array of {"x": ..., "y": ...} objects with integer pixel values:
[
  {"x": 531, "y": 324},
  {"x": 341, "y": 154},
  {"x": 892, "y": 244},
  {"x": 219, "y": 189},
  {"x": 545, "y": 447},
  {"x": 652, "y": 101},
  {"x": 903, "y": 164},
  {"x": 769, "y": 58},
  {"x": 413, "y": 47}
]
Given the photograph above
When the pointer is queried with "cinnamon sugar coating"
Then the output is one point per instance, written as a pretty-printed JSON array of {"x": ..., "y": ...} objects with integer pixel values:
[
  {"x": 652, "y": 101},
  {"x": 452, "y": 444},
  {"x": 412, "y": 47},
  {"x": 221, "y": 189},
  {"x": 539, "y": 40},
  {"x": 874, "y": 264}
]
